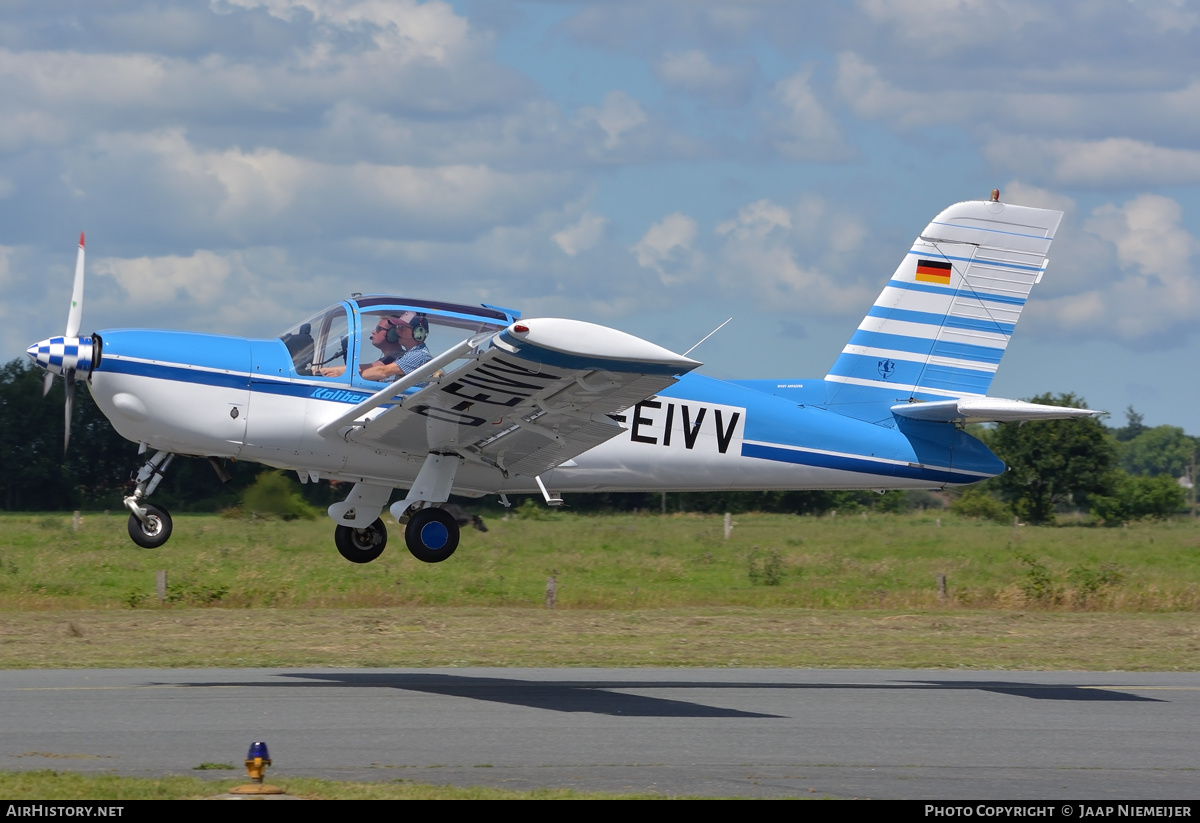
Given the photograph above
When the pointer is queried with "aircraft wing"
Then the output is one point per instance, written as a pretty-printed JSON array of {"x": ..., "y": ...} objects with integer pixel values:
[
  {"x": 527, "y": 398},
  {"x": 986, "y": 410}
]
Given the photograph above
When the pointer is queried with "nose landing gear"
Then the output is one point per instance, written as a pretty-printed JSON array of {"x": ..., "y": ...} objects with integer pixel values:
[
  {"x": 154, "y": 530},
  {"x": 149, "y": 525}
]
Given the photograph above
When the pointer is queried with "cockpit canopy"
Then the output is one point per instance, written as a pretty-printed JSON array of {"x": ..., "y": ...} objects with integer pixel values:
[{"x": 372, "y": 328}]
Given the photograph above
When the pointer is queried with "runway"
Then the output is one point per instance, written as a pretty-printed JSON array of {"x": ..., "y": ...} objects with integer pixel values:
[{"x": 725, "y": 732}]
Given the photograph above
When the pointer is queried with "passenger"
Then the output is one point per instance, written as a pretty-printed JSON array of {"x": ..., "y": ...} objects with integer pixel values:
[{"x": 401, "y": 341}]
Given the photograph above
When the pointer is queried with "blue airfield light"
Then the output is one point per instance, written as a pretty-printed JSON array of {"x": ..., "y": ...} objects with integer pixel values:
[{"x": 257, "y": 760}]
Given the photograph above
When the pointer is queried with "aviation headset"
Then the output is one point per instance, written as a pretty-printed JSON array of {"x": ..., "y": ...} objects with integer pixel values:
[{"x": 419, "y": 324}]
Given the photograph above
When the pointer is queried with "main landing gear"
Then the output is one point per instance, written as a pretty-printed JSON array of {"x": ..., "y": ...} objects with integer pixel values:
[
  {"x": 430, "y": 532},
  {"x": 149, "y": 525},
  {"x": 361, "y": 545},
  {"x": 431, "y": 536}
]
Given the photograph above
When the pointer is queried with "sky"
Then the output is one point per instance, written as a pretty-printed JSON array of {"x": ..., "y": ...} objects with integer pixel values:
[{"x": 652, "y": 165}]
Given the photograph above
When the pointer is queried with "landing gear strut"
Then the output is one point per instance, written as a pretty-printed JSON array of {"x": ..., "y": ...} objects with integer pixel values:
[{"x": 149, "y": 525}]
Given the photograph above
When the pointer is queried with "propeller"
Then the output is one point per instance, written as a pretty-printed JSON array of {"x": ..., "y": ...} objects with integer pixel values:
[
  {"x": 74, "y": 315},
  {"x": 67, "y": 354}
]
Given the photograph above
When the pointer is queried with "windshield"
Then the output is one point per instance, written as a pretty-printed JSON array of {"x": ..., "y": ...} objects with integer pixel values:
[{"x": 319, "y": 343}]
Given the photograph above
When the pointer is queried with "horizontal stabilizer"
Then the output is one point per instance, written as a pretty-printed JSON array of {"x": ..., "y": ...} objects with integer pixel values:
[{"x": 986, "y": 410}]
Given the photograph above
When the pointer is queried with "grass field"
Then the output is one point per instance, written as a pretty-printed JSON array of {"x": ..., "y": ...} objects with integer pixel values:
[
  {"x": 609, "y": 562},
  {"x": 632, "y": 591}
]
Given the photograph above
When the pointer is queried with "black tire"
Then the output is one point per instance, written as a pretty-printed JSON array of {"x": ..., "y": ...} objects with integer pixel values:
[
  {"x": 361, "y": 545},
  {"x": 431, "y": 535},
  {"x": 155, "y": 531}
]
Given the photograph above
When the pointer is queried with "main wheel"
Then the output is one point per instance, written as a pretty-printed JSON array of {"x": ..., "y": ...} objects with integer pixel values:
[
  {"x": 361, "y": 545},
  {"x": 155, "y": 531},
  {"x": 431, "y": 535}
]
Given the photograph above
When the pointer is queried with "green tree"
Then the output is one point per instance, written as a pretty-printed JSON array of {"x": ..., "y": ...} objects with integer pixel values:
[
  {"x": 1054, "y": 462},
  {"x": 273, "y": 494},
  {"x": 1135, "y": 498},
  {"x": 1160, "y": 450},
  {"x": 1132, "y": 428},
  {"x": 30, "y": 439},
  {"x": 34, "y": 473}
]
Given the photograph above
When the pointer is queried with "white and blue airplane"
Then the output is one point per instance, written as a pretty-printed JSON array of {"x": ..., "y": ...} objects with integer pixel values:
[{"x": 547, "y": 405}]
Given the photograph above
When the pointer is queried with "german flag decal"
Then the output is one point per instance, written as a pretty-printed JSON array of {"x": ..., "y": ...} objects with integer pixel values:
[{"x": 934, "y": 271}]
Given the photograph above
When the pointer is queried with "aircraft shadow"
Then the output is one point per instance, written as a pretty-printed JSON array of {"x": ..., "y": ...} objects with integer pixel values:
[{"x": 604, "y": 696}]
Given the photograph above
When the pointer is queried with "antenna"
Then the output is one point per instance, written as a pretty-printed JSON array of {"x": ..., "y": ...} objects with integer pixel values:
[{"x": 710, "y": 334}]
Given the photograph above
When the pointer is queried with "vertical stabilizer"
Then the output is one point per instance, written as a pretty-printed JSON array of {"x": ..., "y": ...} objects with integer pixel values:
[{"x": 943, "y": 321}]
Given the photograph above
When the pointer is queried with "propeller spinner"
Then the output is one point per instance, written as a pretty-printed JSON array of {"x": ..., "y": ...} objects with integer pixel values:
[{"x": 69, "y": 354}]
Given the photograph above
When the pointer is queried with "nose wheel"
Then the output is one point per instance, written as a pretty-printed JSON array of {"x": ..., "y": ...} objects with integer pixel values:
[
  {"x": 361, "y": 545},
  {"x": 154, "y": 530},
  {"x": 431, "y": 535}
]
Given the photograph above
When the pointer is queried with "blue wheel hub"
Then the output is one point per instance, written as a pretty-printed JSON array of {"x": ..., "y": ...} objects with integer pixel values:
[{"x": 435, "y": 535}]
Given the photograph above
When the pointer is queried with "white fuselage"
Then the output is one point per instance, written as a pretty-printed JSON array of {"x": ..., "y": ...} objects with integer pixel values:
[{"x": 670, "y": 443}]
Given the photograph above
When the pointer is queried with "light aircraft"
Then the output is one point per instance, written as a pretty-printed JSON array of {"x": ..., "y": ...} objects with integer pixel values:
[{"x": 548, "y": 405}]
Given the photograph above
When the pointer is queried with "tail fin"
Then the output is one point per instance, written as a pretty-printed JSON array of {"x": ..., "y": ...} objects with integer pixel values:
[{"x": 943, "y": 321}]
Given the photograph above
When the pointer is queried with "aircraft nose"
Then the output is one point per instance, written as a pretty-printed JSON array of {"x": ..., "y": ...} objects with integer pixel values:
[
  {"x": 58, "y": 355},
  {"x": 39, "y": 353}
]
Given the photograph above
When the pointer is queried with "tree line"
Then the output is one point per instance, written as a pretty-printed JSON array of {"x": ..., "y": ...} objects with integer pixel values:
[{"x": 1116, "y": 473}]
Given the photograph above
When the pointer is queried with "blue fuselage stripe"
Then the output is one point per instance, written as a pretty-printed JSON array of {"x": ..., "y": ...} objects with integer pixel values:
[
  {"x": 854, "y": 464},
  {"x": 202, "y": 377},
  {"x": 166, "y": 371}
]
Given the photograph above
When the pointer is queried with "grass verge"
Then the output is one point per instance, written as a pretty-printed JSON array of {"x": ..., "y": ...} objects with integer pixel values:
[
  {"x": 698, "y": 637},
  {"x": 54, "y": 785}
]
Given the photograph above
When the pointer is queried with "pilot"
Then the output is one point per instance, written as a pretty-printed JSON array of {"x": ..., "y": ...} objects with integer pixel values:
[{"x": 401, "y": 341}]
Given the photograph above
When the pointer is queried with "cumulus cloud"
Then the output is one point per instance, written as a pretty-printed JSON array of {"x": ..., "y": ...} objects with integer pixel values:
[
  {"x": 582, "y": 235},
  {"x": 403, "y": 57},
  {"x": 944, "y": 27},
  {"x": 619, "y": 114},
  {"x": 236, "y": 193},
  {"x": 667, "y": 247},
  {"x": 636, "y": 26},
  {"x": 5, "y": 253},
  {"x": 406, "y": 29},
  {"x": 803, "y": 128},
  {"x": 1109, "y": 162},
  {"x": 794, "y": 258},
  {"x": 861, "y": 84},
  {"x": 692, "y": 71},
  {"x": 1147, "y": 292},
  {"x": 153, "y": 280},
  {"x": 1073, "y": 108}
]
